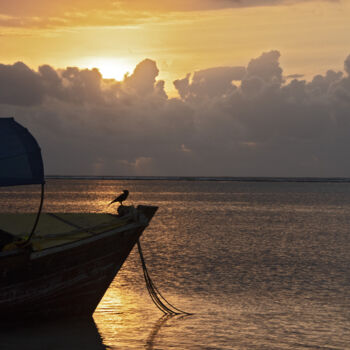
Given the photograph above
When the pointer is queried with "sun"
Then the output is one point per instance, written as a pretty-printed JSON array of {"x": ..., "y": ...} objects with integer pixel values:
[{"x": 110, "y": 68}]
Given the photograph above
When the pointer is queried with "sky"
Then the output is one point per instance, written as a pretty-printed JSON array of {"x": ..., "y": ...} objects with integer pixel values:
[{"x": 192, "y": 88}]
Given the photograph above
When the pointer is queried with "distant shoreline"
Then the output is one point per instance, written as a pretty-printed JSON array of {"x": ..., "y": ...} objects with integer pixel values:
[{"x": 202, "y": 178}]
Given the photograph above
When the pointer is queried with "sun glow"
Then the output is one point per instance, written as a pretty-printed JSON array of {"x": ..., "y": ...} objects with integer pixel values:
[{"x": 110, "y": 68}]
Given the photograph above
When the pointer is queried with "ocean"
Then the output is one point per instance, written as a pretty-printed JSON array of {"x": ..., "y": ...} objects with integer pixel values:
[{"x": 259, "y": 264}]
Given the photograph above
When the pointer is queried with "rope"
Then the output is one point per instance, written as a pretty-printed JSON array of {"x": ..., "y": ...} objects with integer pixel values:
[
  {"x": 157, "y": 298},
  {"x": 37, "y": 215}
]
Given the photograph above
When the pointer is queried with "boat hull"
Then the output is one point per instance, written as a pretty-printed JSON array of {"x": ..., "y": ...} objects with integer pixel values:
[{"x": 66, "y": 281}]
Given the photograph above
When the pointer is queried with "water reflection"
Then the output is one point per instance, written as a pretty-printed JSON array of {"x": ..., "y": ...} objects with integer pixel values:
[
  {"x": 73, "y": 335},
  {"x": 155, "y": 330},
  {"x": 151, "y": 339},
  {"x": 68, "y": 335},
  {"x": 262, "y": 266}
]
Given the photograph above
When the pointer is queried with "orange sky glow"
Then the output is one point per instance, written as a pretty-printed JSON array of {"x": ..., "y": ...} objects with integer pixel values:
[{"x": 114, "y": 36}]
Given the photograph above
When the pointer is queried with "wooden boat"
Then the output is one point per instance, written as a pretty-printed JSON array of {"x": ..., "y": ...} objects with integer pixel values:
[
  {"x": 66, "y": 274},
  {"x": 62, "y": 267}
]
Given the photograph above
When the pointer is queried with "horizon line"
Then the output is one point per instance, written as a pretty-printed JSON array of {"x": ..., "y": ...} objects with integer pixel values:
[{"x": 202, "y": 178}]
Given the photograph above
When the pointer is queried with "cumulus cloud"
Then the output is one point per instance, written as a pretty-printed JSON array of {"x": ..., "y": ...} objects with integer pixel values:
[
  {"x": 234, "y": 121},
  {"x": 19, "y": 85},
  {"x": 266, "y": 67},
  {"x": 209, "y": 82}
]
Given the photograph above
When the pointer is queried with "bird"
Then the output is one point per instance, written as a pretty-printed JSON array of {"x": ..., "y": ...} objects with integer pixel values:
[{"x": 122, "y": 197}]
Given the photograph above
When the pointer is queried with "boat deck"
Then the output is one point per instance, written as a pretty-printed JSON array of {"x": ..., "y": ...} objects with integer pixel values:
[{"x": 60, "y": 228}]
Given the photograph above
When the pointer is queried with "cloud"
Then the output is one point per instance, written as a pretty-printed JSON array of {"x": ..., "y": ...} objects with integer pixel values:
[
  {"x": 78, "y": 13},
  {"x": 347, "y": 65},
  {"x": 266, "y": 67},
  {"x": 294, "y": 76},
  {"x": 20, "y": 85},
  {"x": 143, "y": 80},
  {"x": 198, "y": 5},
  {"x": 210, "y": 82},
  {"x": 234, "y": 121}
]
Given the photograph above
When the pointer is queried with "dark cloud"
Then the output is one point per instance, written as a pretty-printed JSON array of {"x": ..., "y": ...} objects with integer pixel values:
[
  {"x": 210, "y": 82},
  {"x": 143, "y": 80},
  {"x": 227, "y": 120},
  {"x": 266, "y": 67},
  {"x": 20, "y": 85}
]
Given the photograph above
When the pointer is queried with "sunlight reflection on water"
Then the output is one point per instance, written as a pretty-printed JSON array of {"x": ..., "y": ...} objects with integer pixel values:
[{"x": 261, "y": 266}]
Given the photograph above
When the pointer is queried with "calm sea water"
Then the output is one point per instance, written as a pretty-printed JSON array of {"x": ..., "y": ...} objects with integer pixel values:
[{"x": 260, "y": 266}]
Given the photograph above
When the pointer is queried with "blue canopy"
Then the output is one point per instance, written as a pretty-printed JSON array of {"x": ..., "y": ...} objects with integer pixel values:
[{"x": 20, "y": 155}]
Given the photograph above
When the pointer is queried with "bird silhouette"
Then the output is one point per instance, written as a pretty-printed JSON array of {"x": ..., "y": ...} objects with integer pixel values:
[{"x": 120, "y": 198}]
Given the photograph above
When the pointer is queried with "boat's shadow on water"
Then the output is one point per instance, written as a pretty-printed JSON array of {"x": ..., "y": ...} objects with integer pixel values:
[{"x": 68, "y": 335}]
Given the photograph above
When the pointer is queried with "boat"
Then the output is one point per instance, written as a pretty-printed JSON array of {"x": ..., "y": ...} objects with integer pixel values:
[{"x": 63, "y": 265}]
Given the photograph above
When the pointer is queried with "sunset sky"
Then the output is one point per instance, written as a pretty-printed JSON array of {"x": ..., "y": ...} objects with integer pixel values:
[{"x": 222, "y": 87}]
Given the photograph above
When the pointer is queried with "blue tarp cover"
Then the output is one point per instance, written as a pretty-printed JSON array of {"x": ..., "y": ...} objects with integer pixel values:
[{"x": 20, "y": 155}]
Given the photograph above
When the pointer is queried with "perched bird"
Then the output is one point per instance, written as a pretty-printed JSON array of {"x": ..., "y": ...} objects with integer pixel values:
[{"x": 121, "y": 198}]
